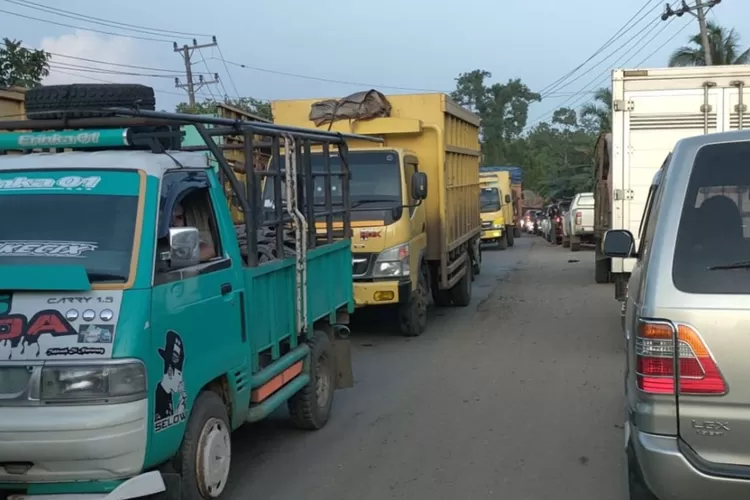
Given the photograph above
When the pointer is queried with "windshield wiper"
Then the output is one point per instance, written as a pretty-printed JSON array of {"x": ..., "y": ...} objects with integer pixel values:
[
  {"x": 372, "y": 200},
  {"x": 742, "y": 264},
  {"x": 94, "y": 276}
]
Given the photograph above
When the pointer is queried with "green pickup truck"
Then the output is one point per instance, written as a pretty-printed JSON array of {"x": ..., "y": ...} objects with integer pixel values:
[{"x": 138, "y": 325}]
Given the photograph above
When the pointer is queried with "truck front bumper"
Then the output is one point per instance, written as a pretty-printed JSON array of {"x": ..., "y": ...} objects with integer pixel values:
[
  {"x": 57, "y": 444},
  {"x": 379, "y": 293},
  {"x": 491, "y": 235}
]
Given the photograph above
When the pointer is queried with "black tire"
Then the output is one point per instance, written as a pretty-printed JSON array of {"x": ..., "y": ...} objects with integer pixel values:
[
  {"x": 502, "y": 242},
  {"x": 208, "y": 411},
  {"x": 566, "y": 242},
  {"x": 477, "y": 262},
  {"x": 575, "y": 247},
  {"x": 509, "y": 232},
  {"x": 77, "y": 100},
  {"x": 412, "y": 316},
  {"x": 461, "y": 291},
  {"x": 516, "y": 232},
  {"x": 308, "y": 409},
  {"x": 601, "y": 270},
  {"x": 638, "y": 490}
]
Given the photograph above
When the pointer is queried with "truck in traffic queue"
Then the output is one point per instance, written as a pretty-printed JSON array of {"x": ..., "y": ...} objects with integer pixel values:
[
  {"x": 414, "y": 198},
  {"x": 516, "y": 193},
  {"x": 653, "y": 109},
  {"x": 139, "y": 326},
  {"x": 496, "y": 208}
]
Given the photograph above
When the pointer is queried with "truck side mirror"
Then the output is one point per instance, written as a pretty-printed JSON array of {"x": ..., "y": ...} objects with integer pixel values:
[
  {"x": 507, "y": 198},
  {"x": 184, "y": 247},
  {"x": 618, "y": 243},
  {"x": 419, "y": 185}
]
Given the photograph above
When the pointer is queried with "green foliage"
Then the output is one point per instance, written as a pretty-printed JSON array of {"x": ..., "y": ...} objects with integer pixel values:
[
  {"x": 21, "y": 67},
  {"x": 248, "y": 104},
  {"x": 556, "y": 157},
  {"x": 725, "y": 49}
]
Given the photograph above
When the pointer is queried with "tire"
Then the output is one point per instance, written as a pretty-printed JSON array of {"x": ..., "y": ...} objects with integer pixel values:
[
  {"x": 575, "y": 247},
  {"x": 208, "y": 430},
  {"x": 477, "y": 262},
  {"x": 461, "y": 291},
  {"x": 516, "y": 232},
  {"x": 601, "y": 270},
  {"x": 510, "y": 233},
  {"x": 637, "y": 488},
  {"x": 502, "y": 243},
  {"x": 56, "y": 101},
  {"x": 412, "y": 316},
  {"x": 566, "y": 242},
  {"x": 308, "y": 408}
]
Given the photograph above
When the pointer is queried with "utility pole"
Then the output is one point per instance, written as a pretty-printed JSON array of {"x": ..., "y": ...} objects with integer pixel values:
[
  {"x": 186, "y": 51},
  {"x": 699, "y": 12}
]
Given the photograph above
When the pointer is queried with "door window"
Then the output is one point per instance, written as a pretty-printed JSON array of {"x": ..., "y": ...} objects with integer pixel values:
[
  {"x": 409, "y": 170},
  {"x": 713, "y": 237}
]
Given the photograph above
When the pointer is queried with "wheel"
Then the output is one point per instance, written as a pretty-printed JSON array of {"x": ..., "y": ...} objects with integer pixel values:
[
  {"x": 516, "y": 232},
  {"x": 412, "y": 316},
  {"x": 461, "y": 291},
  {"x": 311, "y": 406},
  {"x": 565, "y": 242},
  {"x": 601, "y": 270},
  {"x": 206, "y": 451},
  {"x": 477, "y": 262},
  {"x": 575, "y": 247},
  {"x": 548, "y": 237},
  {"x": 502, "y": 242},
  {"x": 509, "y": 232},
  {"x": 638, "y": 489},
  {"x": 77, "y": 100}
]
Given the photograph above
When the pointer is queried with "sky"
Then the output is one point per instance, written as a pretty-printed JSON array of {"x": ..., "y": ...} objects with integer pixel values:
[{"x": 286, "y": 49}]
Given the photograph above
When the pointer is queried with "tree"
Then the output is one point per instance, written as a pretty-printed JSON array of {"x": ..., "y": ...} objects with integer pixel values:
[
  {"x": 21, "y": 67},
  {"x": 599, "y": 111},
  {"x": 724, "y": 46},
  {"x": 248, "y": 104}
]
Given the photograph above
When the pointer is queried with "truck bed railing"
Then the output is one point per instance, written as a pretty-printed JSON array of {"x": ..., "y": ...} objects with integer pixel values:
[{"x": 160, "y": 131}]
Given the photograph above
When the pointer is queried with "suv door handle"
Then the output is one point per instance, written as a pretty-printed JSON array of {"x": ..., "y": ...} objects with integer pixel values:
[{"x": 226, "y": 288}]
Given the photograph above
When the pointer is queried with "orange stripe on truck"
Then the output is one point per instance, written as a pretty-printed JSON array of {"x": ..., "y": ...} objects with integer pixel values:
[{"x": 263, "y": 392}]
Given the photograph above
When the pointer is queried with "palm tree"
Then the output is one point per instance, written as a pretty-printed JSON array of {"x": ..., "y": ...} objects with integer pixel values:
[
  {"x": 600, "y": 109},
  {"x": 725, "y": 49}
]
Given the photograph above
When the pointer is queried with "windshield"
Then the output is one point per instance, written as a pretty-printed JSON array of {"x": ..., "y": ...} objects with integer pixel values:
[
  {"x": 489, "y": 200},
  {"x": 70, "y": 226},
  {"x": 375, "y": 180},
  {"x": 564, "y": 206}
]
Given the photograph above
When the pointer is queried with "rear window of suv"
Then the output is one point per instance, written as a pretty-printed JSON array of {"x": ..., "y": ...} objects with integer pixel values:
[{"x": 714, "y": 228}]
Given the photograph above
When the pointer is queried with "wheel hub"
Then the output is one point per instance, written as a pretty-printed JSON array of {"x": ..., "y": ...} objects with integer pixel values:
[
  {"x": 214, "y": 457},
  {"x": 322, "y": 382}
]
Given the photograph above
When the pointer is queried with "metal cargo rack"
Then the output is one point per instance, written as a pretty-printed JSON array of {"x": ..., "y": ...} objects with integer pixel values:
[{"x": 160, "y": 132}]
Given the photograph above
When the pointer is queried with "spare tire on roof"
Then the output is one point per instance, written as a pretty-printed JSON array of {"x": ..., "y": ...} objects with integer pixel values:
[{"x": 79, "y": 99}]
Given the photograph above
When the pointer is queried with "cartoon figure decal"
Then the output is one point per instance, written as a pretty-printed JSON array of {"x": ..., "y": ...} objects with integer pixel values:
[{"x": 170, "y": 398}]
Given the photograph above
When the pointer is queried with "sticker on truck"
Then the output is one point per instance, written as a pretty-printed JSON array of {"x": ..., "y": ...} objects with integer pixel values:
[{"x": 30, "y": 248}]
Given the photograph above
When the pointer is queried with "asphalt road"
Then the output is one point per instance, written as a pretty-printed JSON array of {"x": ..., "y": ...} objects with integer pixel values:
[{"x": 518, "y": 396}]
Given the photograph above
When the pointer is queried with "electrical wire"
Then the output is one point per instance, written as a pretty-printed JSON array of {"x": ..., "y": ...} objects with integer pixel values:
[
  {"x": 136, "y": 37},
  {"x": 612, "y": 39},
  {"x": 226, "y": 68},
  {"x": 684, "y": 27},
  {"x": 95, "y": 20}
]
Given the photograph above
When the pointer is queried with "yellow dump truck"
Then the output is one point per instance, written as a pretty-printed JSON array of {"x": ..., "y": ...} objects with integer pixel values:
[
  {"x": 496, "y": 207},
  {"x": 414, "y": 198}
]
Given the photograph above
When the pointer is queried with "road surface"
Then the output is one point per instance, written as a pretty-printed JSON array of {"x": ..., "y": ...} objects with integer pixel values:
[{"x": 518, "y": 396}]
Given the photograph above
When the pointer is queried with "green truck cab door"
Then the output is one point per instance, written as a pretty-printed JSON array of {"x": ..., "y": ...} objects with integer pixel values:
[{"x": 198, "y": 323}]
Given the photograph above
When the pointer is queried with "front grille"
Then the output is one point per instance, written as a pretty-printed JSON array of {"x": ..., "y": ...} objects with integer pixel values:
[
  {"x": 486, "y": 224},
  {"x": 361, "y": 263}
]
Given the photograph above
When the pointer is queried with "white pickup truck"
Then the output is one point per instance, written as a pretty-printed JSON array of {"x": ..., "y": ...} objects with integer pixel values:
[{"x": 578, "y": 222}]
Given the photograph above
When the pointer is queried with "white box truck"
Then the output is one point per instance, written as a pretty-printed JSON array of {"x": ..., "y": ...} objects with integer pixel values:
[{"x": 652, "y": 110}]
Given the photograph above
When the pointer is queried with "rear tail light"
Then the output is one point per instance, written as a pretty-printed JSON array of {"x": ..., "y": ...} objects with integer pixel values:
[
  {"x": 579, "y": 218},
  {"x": 655, "y": 361},
  {"x": 557, "y": 219}
]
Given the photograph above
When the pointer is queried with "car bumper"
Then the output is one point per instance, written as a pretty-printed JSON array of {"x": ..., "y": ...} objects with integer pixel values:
[
  {"x": 72, "y": 443},
  {"x": 378, "y": 293},
  {"x": 670, "y": 476}
]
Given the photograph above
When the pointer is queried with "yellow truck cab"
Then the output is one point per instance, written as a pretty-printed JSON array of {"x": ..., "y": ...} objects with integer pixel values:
[
  {"x": 414, "y": 198},
  {"x": 496, "y": 209}
]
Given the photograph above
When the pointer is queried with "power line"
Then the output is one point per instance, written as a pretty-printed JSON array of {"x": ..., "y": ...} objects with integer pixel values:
[
  {"x": 81, "y": 17},
  {"x": 606, "y": 44},
  {"x": 136, "y": 37},
  {"x": 684, "y": 27},
  {"x": 99, "y": 19},
  {"x": 191, "y": 86},
  {"x": 229, "y": 73},
  {"x": 328, "y": 80}
]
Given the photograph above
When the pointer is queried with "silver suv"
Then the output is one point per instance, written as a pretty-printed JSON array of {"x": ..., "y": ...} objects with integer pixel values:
[{"x": 687, "y": 325}]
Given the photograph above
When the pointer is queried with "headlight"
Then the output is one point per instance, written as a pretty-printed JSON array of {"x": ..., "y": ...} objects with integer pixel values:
[
  {"x": 393, "y": 262},
  {"x": 87, "y": 383},
  {"x": 498, "y": 224}
]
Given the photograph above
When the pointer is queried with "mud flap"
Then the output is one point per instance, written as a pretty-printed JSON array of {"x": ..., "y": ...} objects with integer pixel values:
[{"x": 342, "y": 351}]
